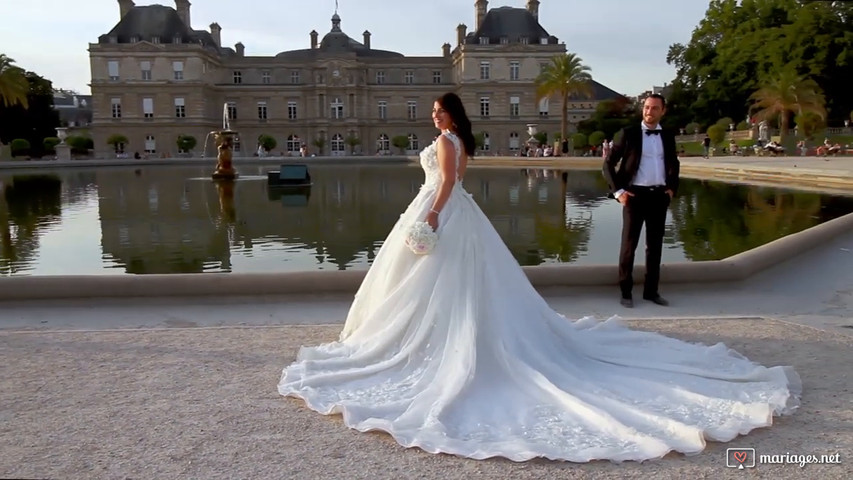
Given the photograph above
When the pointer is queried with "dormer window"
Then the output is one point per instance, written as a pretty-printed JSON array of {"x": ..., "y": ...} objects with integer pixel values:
[
  {"x": 134, "y": 39},
  {"x": 112, "y": 39},
  {"x": 543, "y": 40},
  {"x": 524, "y": 40},
  {"x": 504, "y": 40},
  {"x": 177, "y": 39},
  {"x": 484, "y": 40},
  {"x": 155, "y": 39}
]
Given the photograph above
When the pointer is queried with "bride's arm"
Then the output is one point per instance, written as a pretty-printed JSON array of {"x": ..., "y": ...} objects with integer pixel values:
[{"x": 446, "y": 153}]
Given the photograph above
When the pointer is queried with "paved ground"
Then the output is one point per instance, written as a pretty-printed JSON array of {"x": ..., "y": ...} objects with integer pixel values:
[{"x": 185, "y": 387}]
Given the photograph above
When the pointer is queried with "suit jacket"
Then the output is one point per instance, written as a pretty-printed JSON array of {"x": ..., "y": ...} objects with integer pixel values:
[{"x": 622, "y": 164}]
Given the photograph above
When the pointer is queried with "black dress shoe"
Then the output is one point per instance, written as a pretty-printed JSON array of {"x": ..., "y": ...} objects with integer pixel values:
[
  {"x": 627, "y": 302},
  {"x": 657, "y": 299}
]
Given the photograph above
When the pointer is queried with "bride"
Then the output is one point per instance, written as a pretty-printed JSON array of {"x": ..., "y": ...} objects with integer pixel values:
[{"x": 455, "y": 351}]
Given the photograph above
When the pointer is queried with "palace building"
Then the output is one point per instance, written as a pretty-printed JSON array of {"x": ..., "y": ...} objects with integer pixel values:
[{"x": 154, "y": 78}]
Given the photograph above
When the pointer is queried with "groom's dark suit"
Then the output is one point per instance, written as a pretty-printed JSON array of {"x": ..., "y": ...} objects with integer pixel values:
[{"x": 648, "y": 204}]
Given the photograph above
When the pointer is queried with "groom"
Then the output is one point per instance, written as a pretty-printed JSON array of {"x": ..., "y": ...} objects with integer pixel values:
[{"x": 642, "y": 172}]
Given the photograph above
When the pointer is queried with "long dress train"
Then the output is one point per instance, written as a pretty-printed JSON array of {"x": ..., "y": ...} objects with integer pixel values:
[{"x": 456, "y": 352}]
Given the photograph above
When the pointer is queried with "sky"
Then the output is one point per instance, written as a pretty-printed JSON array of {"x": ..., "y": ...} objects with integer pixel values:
[{"x": 624, "y": 42}]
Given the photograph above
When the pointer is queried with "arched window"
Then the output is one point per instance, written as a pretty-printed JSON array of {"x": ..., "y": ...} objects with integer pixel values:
[
  {"x": 338, "y": 144},
  {"x": 294, "y": 143},
  {"x": 413, "y": 142}
]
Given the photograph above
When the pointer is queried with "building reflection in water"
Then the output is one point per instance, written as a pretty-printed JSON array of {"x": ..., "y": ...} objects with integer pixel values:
[{"x": 176, "y": 219}]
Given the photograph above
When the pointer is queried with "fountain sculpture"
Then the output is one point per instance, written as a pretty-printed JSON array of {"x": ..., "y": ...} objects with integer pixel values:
[{"x": 225, "y": 146}]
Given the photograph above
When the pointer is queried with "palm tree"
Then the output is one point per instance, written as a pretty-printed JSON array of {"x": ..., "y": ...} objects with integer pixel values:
[
  {"x": 785, "y": 94},
  {"x": 565, "y": 76},
  {"x": 14, "y": 85}
]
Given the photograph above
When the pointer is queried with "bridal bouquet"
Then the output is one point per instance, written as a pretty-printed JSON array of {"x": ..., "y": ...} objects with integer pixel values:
[{"x": 421, "y": 238}]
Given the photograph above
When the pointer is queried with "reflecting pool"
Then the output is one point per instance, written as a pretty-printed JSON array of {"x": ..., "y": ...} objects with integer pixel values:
[{"x": 117, "y": 220}]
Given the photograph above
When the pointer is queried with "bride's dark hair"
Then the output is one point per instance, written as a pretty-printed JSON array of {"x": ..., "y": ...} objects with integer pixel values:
[{"x": 452, "y": 104}]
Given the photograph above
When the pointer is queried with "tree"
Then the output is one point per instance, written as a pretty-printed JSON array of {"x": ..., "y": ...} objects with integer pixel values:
[
  {"x": 79, "y": 144},
  {"x": 717, "y": 133},
  {"x": 267, "y": 142},
  {"x": 740, "y": 43},
  {"x": 20, "y": 146},
  {"x": 353, "y": 142},
  {"x": 480, "y": 140},
  {"x": 565, "y": 77},
  {"x": 118, "y": 142},
  {"x": 579, "y": 141},
  {"x": 186, "y": 142},
  {"x": 809, "y": 124},
  {"x": 319, "y": 142},
  {"x": 611, "y": 116},
  {"x": 50, "y": 144},
  {"x": 597, "y": 137},
  {"x": 14, "y": 86},
  {"x": 401, "y": 142},
  {"x": 785, "y": 94},
  {"x": 34, "y": 123}
]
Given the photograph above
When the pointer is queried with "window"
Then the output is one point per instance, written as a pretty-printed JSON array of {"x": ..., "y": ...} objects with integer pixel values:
[
  {"x": 410, "y": 77},
  {"x": 514, "y": 107},
  {"x": 291, "y": 110},
  {"x": 266, "y": 77},
  {"x": 543, "y": 40},
  {"x": 155, "y": 39},
  {"x": 484, "y": 106},
  {"x": 338, "y": 144},
  {"x": 485, "y": 70},
  {"x": 134, "y": 39},
  {"x": 523, "y": 40},
  {"x": 115, "y": 104},
  {"x": 294, "y": 77},
  {"x": 436, "y": 76},
  {"x": 238, "y": 77},
  {"x": 293, "y": 144},
  {"x": 484, "y": 40},
  {"x": 504, "y": 40},
  {"x": 514, "y": 141},
  {"x": 412, "y": 109},
  {"x": 337, "y": 108},
  {"x": 380, "y": 77},
  {"x": 232, "y": 111},
  {"x": 150, "y": 144},
  {"x": 383, "y": 143},
  {"x": 514, "y": 68},
  {"x": 146, "y": 70},
  {"x": 178, "y": 69},
  {"x": 112, "y": 68},
  {"x": 413, "y": 142},
  {"x": 237, "y": 143},
  {"x": 177, "y": 39},
  {"x": 543, "y": 107},
  {"x": 180, "y": 108},
  {"x": 486, "y": 142},
  {"x": 262, "y": 110},
  {"x": 148, "y": 107},
  {"x": 383, "y": 109}
]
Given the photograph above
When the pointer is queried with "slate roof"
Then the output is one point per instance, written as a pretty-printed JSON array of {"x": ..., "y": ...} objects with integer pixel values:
[
  {"x": 146, "y": 22},
  {"x": 512, "y": 23},
  {"x": 337, "y": 42},
  {"x": 599, "y": 92}
]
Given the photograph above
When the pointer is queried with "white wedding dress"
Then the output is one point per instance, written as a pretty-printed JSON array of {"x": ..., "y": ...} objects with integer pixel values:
[{"x": 456, "y": 352}]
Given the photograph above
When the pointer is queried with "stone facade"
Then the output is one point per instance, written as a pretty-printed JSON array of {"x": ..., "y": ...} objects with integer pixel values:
[{"x": 154, "y": 78}]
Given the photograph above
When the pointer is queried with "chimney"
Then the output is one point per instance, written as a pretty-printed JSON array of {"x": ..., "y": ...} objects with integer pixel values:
[
  {"x": 533, "y": 8},
  {"x": 216, "y": 33},
  {"x": 124, "y": 6},
  {"x": 313, "y": 39},
  {"x": 445, "y": 50},
  {"x": 480, "y": 7},
  {"x": 460, "y": 33},
  {"x": 240, "y": 48},
  {"x": 367, "y": 39},
  {"x": 183, "y": 8}
]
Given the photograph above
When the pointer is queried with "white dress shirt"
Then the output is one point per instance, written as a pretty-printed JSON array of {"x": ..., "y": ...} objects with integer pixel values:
[{"x": 652, "y": 171}]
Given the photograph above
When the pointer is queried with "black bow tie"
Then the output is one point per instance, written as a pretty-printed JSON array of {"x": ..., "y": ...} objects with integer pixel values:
[{"x": 652, "y": 132}]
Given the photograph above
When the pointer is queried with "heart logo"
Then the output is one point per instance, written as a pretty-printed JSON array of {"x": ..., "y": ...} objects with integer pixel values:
[{"x": 740, "y": 456}]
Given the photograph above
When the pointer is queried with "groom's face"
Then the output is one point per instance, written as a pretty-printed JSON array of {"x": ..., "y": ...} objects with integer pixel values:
[{"x": 653, "y": 110}]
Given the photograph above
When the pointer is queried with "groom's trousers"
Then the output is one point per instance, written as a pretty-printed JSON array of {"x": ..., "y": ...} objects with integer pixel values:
[{"x": 647, "y": 207}]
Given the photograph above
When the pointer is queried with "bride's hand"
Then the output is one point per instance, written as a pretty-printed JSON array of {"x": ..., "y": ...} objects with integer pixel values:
[{"x": 432, "y": 220}]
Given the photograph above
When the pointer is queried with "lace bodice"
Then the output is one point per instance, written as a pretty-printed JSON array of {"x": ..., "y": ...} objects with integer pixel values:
[{"x": 429, "y": 160}]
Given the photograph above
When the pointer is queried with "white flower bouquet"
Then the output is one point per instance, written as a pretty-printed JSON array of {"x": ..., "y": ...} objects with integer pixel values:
[{"x": 421, "y": 238}]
